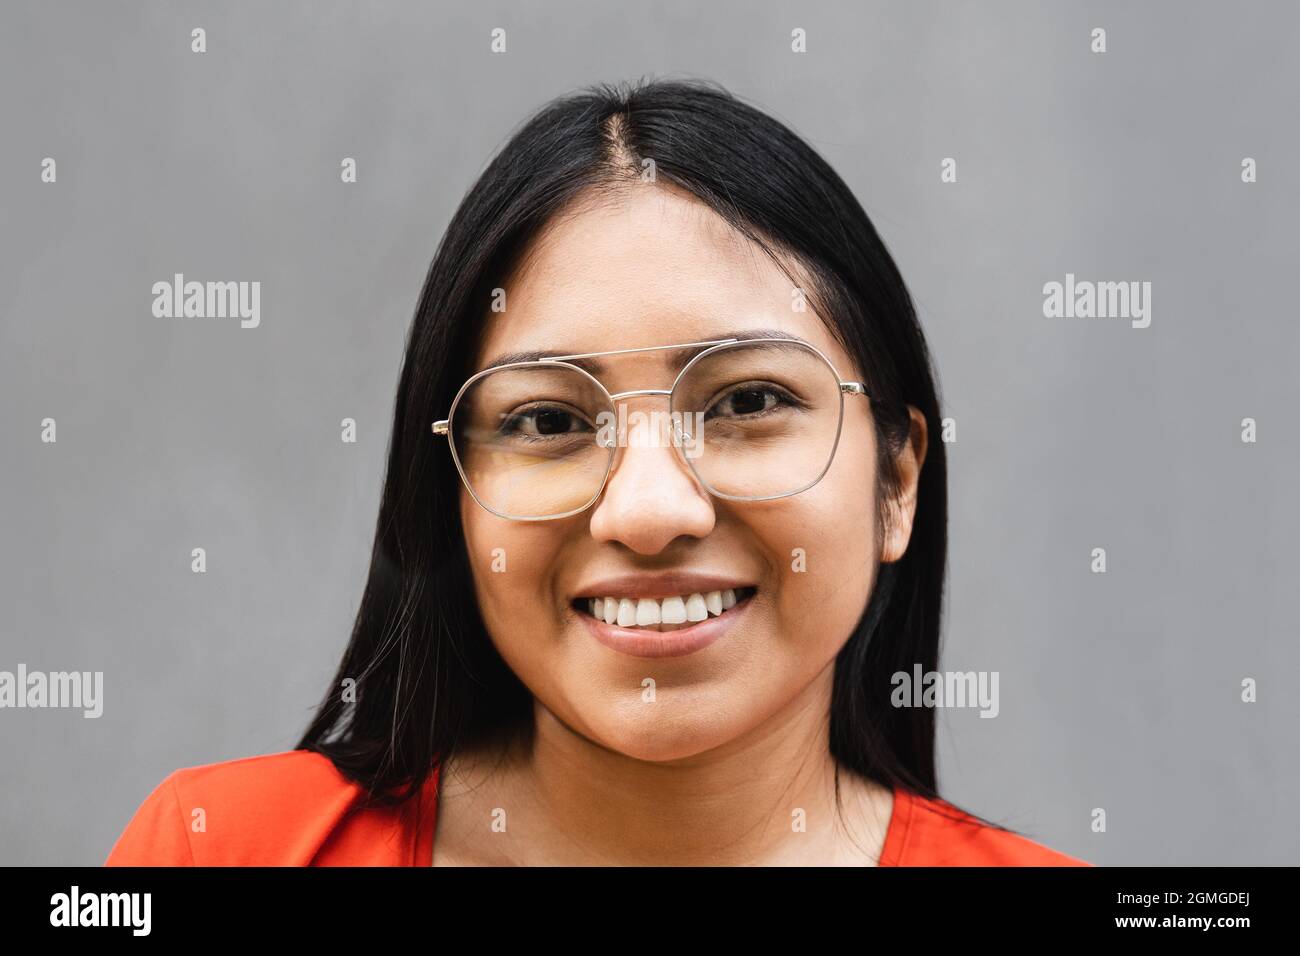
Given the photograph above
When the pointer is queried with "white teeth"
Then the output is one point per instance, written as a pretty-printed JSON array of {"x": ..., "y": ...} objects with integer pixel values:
[
  {"x": 647, "y": 612},
  {"x": 626, "y": 613},
  {"x": 674, "y": 611}
]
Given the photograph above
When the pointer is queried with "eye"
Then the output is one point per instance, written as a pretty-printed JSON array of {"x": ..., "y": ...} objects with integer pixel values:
[
  {"x": 751, "y": 400},
  {"x": 543, "y": 421}
]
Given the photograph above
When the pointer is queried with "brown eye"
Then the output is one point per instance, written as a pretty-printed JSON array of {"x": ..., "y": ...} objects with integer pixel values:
[
  {"x": 750, "y": 400},
  {"x": 542, "y": 421}
]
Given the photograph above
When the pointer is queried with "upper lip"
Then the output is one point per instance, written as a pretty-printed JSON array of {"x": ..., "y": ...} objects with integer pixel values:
[{"x": 660, "y": 584}]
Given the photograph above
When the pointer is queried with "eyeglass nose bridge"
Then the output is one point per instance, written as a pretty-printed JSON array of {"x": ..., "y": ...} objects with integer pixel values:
[{"x": 678, "y": 434}]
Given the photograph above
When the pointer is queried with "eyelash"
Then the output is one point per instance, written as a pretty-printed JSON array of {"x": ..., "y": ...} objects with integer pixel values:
[
  {"x": 767, "y": 388},
  {"x": 507, "y": 426}
]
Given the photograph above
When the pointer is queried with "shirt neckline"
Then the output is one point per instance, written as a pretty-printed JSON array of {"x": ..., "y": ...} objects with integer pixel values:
[
  {"x": 900, "y": 825},
  {"x": 892, "y": 851}
]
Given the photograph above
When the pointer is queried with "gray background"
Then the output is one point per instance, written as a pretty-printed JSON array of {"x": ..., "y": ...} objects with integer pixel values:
[{"x": 1119, "y": 690}]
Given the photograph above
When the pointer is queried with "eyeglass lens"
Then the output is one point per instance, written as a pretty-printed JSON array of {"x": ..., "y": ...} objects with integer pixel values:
[{"x": 753, "y": 420}]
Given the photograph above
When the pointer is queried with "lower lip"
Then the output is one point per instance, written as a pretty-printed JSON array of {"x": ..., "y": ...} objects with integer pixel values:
[{"x": 685, "y": 640}]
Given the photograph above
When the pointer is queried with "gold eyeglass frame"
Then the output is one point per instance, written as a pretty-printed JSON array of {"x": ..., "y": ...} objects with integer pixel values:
[{"x": 442, "y": 427}]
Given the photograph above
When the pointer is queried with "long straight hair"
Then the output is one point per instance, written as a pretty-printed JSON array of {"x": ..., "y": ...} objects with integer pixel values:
[{"x": 427, "y": 678}]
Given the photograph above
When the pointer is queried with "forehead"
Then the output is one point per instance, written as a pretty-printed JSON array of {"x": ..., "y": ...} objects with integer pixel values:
[{"x": 649, "y": 265}]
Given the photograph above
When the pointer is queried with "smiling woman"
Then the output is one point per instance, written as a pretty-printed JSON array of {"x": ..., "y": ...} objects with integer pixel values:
[{"x": 578, "y": 649}]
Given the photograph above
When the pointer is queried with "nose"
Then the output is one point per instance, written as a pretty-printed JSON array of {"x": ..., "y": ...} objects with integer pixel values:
[{"x": 651, "y": 497}]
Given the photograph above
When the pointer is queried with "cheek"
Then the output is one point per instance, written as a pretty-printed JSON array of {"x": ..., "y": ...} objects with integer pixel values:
[
  {"x": 510, "y": 568},
  {"x": 827, "y": 544},
  {"x": 513, "y": 564}
]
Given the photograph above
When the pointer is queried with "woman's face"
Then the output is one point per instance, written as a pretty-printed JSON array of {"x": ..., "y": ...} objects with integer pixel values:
[{"x": 657, "y": 267}]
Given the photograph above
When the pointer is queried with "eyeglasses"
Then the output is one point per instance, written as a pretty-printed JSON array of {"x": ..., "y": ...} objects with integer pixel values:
[{"x": 753, "y": 419}]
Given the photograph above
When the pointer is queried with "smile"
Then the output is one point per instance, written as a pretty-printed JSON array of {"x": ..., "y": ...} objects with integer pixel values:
[
  {"x": 666, "y": 614},
  {"x": 664, "y": 627}
]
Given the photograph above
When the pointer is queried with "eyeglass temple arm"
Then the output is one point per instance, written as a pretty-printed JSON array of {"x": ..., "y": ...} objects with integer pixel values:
[{"x": 851, "y": 388}]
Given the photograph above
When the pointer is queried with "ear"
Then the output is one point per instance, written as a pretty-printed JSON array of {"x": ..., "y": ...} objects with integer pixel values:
[{"x": 902, "y": 508}]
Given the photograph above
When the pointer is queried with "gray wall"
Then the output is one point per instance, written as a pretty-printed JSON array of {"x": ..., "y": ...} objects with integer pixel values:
[{"x": 1119, "y": 690}]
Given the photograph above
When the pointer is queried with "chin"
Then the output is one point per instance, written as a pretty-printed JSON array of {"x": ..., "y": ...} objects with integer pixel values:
[{"x": 661, "y": 731}]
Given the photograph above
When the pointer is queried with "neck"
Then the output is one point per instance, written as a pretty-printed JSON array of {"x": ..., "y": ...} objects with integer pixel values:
[{"x": 766, "y": 797}]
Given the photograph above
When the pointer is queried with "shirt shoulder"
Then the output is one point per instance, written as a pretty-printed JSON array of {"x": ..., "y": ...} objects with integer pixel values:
[
  {"x": 284, "y": 809},
  {"x": 933, "y": 832}
]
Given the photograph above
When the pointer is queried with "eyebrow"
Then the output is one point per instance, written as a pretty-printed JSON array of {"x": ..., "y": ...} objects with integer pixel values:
[{"x": 680, "y": 356}]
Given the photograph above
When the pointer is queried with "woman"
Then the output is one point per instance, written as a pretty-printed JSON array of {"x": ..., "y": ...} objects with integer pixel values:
[{"x": 663, "y": 516}]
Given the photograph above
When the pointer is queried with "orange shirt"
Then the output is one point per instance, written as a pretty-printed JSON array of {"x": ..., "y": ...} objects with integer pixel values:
[{"x": 296, "y": 809}]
